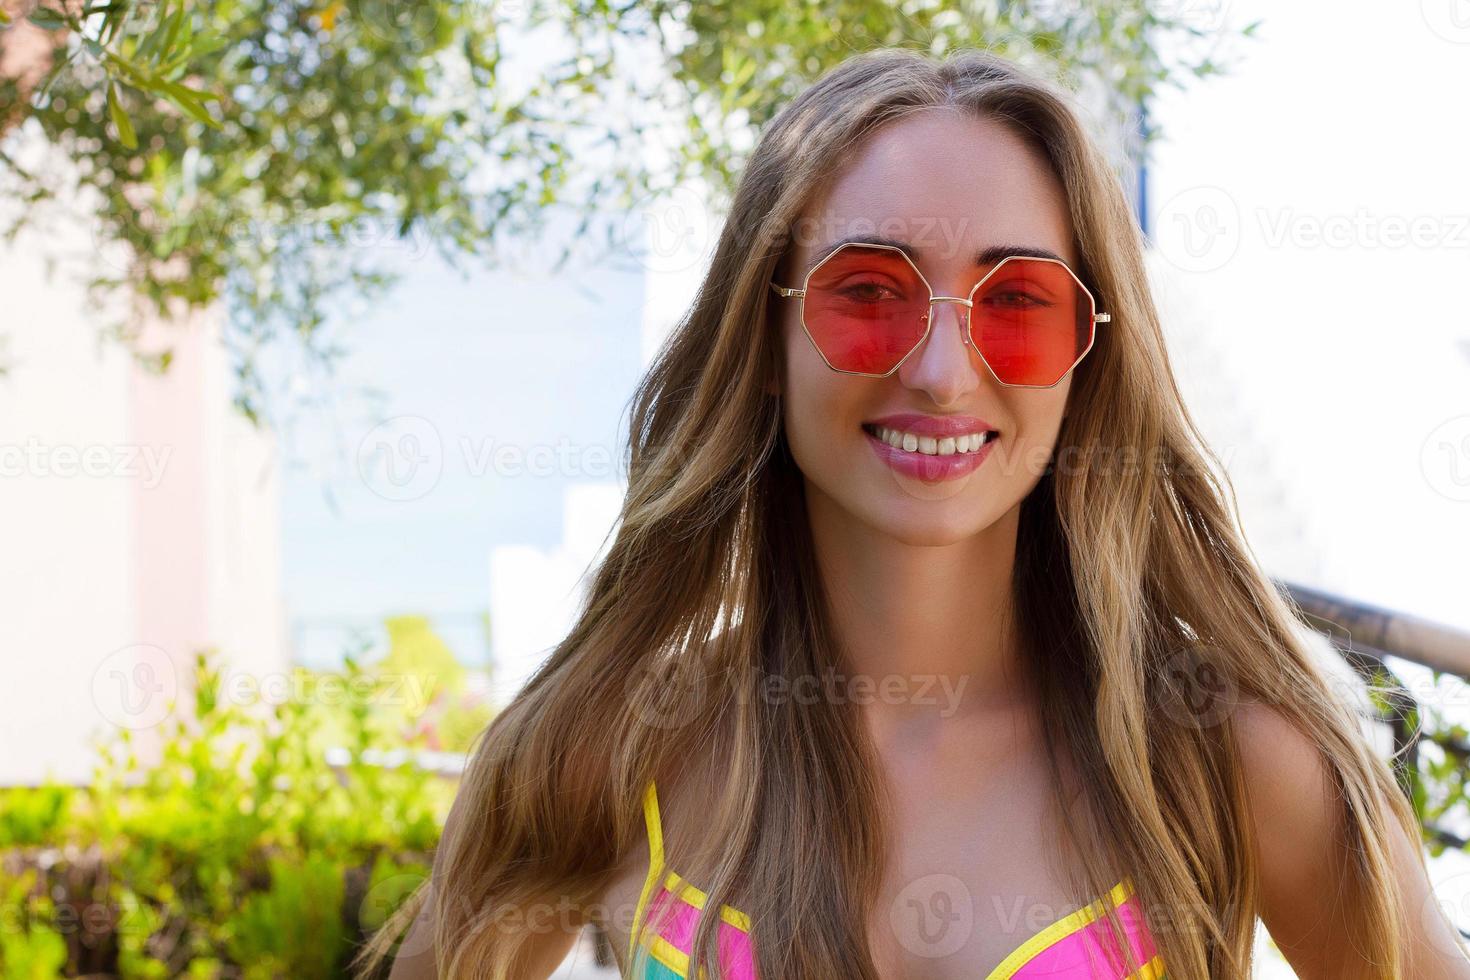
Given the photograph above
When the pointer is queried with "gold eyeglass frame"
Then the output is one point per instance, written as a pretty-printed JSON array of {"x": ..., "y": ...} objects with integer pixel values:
[{"x": 968, "y": 301}]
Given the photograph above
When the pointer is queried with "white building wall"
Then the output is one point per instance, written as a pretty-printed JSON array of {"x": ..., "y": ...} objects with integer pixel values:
[
  {"x": 1312, "y": 227},
  {"x": 535, "y": 594},
  {"x": 139, "y": 515}
]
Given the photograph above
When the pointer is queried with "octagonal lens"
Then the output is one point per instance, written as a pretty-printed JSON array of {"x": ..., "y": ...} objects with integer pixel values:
[
  {"x": 1031, "y": 320},
  {"x": 865, "y": 308}
]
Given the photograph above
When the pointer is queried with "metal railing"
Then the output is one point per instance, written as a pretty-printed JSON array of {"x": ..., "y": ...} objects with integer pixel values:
[{"x": 1366, "y": 636}]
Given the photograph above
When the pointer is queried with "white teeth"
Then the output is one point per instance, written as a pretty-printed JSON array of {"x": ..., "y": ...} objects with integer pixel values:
[{"x": 930, "y": 446}]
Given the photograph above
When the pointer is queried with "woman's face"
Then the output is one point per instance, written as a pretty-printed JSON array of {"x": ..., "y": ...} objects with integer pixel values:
[{"x": 951, "y": 186}]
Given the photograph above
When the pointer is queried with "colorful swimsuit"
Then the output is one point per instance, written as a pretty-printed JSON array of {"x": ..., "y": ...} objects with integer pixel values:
[{"x": 1065, "y": 950}]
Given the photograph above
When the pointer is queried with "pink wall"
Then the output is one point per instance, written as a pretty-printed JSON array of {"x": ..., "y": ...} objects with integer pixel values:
[{"x": 170, "y": 581}]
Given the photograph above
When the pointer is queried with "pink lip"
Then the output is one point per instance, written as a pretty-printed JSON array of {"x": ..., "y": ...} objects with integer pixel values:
[
  {"x": 937, "y": 426},
  {"x": 930, "y": 469}
]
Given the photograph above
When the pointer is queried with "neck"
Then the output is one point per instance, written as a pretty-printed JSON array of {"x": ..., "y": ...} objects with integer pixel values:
[{"x": 924, "y": 632}]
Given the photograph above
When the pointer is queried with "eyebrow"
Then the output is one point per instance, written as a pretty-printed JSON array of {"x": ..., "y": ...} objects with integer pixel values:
[{"x": 986, "y": 256}]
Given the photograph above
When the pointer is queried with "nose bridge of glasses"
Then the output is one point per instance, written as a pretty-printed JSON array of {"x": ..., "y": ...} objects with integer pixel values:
[{"x": 962, "y": 314}]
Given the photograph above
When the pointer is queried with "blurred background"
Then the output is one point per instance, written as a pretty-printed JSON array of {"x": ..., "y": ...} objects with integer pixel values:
[{"x": 318, "y": 325}]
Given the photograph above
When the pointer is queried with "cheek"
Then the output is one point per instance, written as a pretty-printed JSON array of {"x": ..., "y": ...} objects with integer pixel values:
[
  {"x": 802, "y": 384},
  {"x": 790, "y": 333},
  {"x": 1037, "y": 415},
  {"x": 1047, "y": 414},
  {"x": 820, "y": 406},
  {"x": 805, "y": 376}
]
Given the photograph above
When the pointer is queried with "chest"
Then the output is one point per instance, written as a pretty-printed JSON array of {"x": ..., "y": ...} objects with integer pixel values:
[
  {"x": 975, "y": 882},
  {"x": 977, "y": 874}
]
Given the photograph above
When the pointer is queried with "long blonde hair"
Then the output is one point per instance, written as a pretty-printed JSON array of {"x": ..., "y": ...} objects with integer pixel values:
[{"x": 709, "y": 588}]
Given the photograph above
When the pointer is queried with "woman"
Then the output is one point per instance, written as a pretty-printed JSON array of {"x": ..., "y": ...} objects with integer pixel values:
[{"x": 926, "y": 646}]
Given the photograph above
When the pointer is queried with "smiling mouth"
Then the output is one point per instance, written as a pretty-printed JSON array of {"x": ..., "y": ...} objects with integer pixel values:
[{"x": 928, "y": 445}]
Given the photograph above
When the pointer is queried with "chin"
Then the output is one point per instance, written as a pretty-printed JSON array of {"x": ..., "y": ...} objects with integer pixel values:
[{"x": 927, "y": 523}]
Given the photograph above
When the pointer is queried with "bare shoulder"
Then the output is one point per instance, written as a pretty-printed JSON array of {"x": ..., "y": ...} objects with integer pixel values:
[
  {"x": 1294, "y": 808},
  {"x": 1299, "y": 823},
  {"x": 1296, "y": 823},
  {"x": 1287, "y": 775}
]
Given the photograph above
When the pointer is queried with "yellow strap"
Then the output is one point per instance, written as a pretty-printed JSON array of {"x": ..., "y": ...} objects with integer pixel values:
[
  {"x": 655, "y": 828},
  {"x": 655, "y": 865}
]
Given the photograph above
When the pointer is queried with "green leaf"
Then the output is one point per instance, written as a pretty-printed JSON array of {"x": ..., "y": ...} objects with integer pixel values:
[
  {"x": 192, "y": 94},
  {"x": 203, "y": 46},
  {"x": 111, "y": 20},
  {"x": 120, "y": 119},
  {"x": 189, "y": 100},
  {"x": 47, "y": 19},
  {"x": 174, "y": 23},
  {"x": 146, "y": 46}
]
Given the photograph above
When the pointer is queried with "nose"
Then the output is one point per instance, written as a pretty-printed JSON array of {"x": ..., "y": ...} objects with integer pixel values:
[{"x": 945, "y": 365}]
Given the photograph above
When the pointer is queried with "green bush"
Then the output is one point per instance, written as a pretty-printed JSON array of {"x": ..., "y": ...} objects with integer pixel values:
[
  {"x": 241, "y": 853},
  {"x": 33, "y": 816},
  {"x": 300, "y": 915},
  {"x": 29, "y": 948}
]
